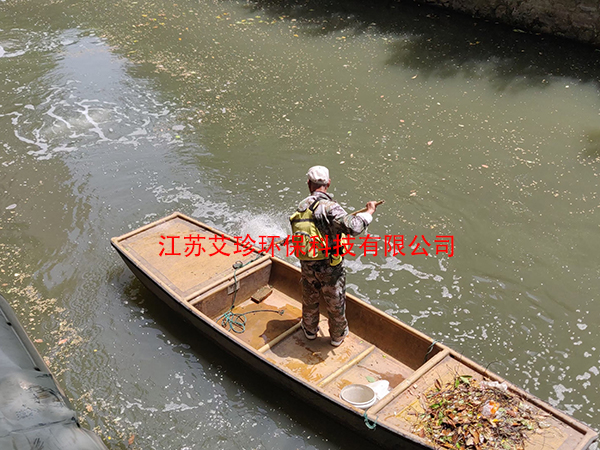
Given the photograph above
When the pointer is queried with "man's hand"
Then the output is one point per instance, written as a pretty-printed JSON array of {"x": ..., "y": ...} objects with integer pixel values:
[{"x": 371, "y": 207}]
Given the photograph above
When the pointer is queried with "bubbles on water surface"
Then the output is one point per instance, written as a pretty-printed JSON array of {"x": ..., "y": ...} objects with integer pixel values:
[{"x": 263, "y": 225}]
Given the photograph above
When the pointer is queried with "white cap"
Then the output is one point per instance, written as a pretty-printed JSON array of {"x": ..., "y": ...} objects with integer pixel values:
[{"x": 318, "y": 175}]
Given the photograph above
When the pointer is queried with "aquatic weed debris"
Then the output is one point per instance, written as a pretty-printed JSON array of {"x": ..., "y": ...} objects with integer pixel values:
[{"x": 472, "y": 415}]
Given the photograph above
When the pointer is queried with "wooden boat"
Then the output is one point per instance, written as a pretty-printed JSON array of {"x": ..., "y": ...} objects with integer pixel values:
[{"x": 203, "y": 289}]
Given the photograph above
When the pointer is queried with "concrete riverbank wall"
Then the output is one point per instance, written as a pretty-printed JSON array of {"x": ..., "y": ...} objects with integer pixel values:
[{"x": 574, "y": 19}]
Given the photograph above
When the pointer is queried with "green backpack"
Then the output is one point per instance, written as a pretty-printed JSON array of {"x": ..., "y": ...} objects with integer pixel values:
[{"x": 304, "y": 224}]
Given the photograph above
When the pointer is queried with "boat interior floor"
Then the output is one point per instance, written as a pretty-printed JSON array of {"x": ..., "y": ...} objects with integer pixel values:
[{"x": 315, "y": 361}]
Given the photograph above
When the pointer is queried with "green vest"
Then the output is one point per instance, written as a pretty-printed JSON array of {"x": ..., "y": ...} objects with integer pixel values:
[{"x": 304, "y": 224}]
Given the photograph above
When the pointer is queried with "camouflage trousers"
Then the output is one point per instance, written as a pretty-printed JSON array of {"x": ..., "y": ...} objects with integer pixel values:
[{"x": 321, "y": 281}]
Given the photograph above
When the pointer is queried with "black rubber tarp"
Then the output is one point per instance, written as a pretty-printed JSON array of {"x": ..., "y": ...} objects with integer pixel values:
[{"x": 34, "y": 413}]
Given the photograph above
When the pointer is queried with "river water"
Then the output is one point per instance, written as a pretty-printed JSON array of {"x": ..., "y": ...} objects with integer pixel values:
[{"x": 116, "y": 113}]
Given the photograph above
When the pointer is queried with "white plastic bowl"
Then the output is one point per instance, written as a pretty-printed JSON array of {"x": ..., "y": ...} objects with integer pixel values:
[{"x": 359, "y": 395}]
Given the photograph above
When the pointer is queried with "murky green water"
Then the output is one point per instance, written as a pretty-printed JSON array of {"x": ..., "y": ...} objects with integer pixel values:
[{"x": 115, "y": 113}]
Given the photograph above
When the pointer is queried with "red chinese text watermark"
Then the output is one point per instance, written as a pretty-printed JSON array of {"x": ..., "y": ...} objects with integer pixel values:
[{"x": 369, "y": 245}]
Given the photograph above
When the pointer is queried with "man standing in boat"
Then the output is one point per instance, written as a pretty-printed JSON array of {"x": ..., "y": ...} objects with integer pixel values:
[{"x": 319, "y": 224}]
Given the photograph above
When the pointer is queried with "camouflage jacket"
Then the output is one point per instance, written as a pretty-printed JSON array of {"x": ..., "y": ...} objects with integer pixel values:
[{"x": 332, "y": 219}]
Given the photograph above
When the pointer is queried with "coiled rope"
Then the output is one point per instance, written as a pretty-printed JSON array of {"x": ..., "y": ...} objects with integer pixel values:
[{"x": 236, "y": 322}]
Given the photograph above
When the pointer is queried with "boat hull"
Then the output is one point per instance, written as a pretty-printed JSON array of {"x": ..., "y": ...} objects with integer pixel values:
[{"x": 382, "y": 436}]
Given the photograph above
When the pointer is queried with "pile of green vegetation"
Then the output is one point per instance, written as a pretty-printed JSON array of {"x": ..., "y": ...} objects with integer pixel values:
[{"x": 467, "y": 414}]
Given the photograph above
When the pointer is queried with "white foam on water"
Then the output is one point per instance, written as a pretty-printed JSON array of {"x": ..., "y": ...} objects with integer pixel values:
[
  {"x": 5, "y": 54},
  {"x": 395, "y": 264},
  {"x": 177, "y": 407},
  {"x": 262, "y": 225},
  {"x": 78, "y": 115},
  {"x": 138, "y": 404},
  {"x": 223, "y": 216}
]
